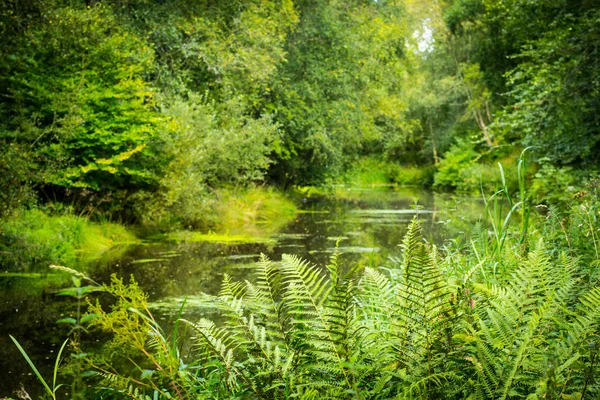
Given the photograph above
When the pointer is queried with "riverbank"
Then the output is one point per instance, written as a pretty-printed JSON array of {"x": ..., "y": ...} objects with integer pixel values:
[{"x": 30, "y": 240}]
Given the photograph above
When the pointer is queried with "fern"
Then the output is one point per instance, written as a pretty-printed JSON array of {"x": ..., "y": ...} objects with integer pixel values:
[
  {"x": 424, "y": 313},
  {"x": 405, "y": 332},
  {"x": 517, "y": 326}
]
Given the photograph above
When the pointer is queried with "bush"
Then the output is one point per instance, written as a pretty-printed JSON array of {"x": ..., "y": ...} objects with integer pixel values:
[
  {"x": 557, "y": 184},
  {"x": 371, "y": 171},
  {"x": 211, "y": 145},
  {"x": 79, "y": 110},
  {"x": 411, "y": 176},
  {"x": 463, "y": 171},
  {"x": 367, "y": 171},
  {"x": 460, "y": 156}
]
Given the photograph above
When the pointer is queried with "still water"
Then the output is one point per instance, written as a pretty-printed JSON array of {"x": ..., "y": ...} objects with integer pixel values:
[{"x": 363, "y": 225}]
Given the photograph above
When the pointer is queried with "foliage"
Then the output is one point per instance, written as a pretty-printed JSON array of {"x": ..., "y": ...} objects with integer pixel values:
[
  {"x": 76, "y": 104},
  {"x": 557, "y": 184},
  {"x": 114, "y": 99},
  {"x": 412, "y": 176},
  {"x": 141, "y": 110},
  {"x": 555, "y": 88},
  {"x": 50, "y": 390},
  {"x": 170, "y": 113},
  {"x": 255, "y": 209},
  {"x": 423, "y": 327},
  {"x": 525, "y": 343},
  {"x": 250, "y": 210},
  {"x": 299, "y": 331},
  {"x": 576, "y": 228},
  {"x": 337, "y": 94},
  {"x": 211, "y": 145},
  {"x": 368, "y": 172},
  {"x": 371, "y": 171},
  {"x": 541, "y": 57},
  {"x": 460, "y": 157},
  {"x": 162, "y": 370}
]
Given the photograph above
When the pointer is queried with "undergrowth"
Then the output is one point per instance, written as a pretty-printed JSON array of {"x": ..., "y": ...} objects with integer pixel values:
[
  {"x": 422, "y": 327},
  {"x": 511, "y": 313}
]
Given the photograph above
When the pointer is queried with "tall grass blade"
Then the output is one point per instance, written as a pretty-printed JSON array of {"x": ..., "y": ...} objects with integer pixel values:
[
  {"x": 176, "y": 329},
  {"x": 35, "y": 370},
  {"x": 57, "y": 363}
]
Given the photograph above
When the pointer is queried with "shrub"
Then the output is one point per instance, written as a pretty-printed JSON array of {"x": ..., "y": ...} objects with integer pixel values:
[
  {"x": 463, "y": 171},
  {"x": 460, "y": 156},
  {"x": 367, "y": 171},
  {"x": 557, "y": 184},
  {"x": 411, "y": 176}
]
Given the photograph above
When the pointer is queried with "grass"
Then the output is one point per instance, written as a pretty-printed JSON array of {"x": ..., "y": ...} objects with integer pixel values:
[
  {"x": 368, "y": 172},
  {"x": 251, "y": 215},
  {"x": 55, "y": 387},
  {"x": 411, "y": 176},
  {"x": 31, "y": 238},
  {"x": 253, "y": 210},
  {"x": 371, "y": 172}
]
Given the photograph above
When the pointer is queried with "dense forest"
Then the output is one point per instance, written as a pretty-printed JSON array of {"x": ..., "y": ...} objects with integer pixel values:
[
  {"x": 138, "y": 108},
  {"x": 123, "y": 116}
]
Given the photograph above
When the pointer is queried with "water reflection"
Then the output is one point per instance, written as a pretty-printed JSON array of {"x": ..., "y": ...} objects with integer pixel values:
[{"x": 367, "y": 226}]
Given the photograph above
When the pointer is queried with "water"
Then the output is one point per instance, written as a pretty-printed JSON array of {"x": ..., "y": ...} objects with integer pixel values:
[{"x": 366, "y": 224}]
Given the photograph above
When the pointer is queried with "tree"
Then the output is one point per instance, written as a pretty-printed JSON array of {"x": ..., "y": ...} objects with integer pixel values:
[{"x": 76, "y": 105}]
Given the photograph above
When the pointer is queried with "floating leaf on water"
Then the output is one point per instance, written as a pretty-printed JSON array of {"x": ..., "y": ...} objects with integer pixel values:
[
  {"x": 147, "y": 260},
  {"x": 354, "y": 249},
  {"x": 242, "y": 256},
  {"x": 22, "y": 275},
  {"x": 320, "y": 252},
  {"x": 383, "y": 220},
  {"x": 169, "y": 254},
  {"x": 191, "y": 302},
  {"x": 292, "y": 236},
  {"x": 242, "y": 266},
  {"x": 382, "y": 212}
]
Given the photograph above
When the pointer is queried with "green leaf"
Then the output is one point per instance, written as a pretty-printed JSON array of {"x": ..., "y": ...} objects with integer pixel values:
[
  {"x": 88, "y": 317},
  {"x": 68, "y": 320},
  {"x": 147, "y": 373},
  {"x": 35, "y": 370}
]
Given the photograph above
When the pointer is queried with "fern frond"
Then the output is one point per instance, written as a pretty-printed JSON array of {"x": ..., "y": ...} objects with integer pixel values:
[{"x": 515, "y": 323}]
